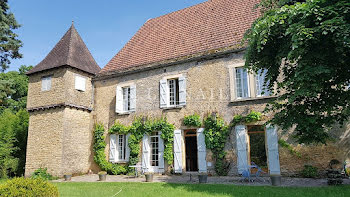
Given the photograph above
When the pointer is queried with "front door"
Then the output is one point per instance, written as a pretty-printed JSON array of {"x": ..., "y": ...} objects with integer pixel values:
[{"x": 191, "y": 150}]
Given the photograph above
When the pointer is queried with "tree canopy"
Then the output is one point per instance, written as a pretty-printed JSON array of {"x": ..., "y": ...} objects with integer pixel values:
[
  {"x": 305, "y": 46},
  {"x": 9, "y": 43}
]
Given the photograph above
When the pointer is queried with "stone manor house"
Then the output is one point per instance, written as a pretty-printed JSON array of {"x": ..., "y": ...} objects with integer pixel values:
[{"x": 185, "y": 62}]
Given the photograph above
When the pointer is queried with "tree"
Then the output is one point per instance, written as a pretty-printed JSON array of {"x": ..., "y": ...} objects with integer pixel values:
[
  {"x": 13, "y": 89},
  {"x": 8, "y": 163},
  {"x": 309, "y": 43},
  {"x": 21, "y": 134},
  {"x": 9, "y": 43}
]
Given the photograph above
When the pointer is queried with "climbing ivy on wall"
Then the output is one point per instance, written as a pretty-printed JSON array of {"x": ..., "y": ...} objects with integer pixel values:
[
  {"x": 100, "y": 156},
  {"x": 137, "y": 129},
  {"x": 216, "y": 133},
  {"x": 192, "y": 120}
]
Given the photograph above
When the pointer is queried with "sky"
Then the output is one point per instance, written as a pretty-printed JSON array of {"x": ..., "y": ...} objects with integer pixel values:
[{"x": 104, "y": 25}]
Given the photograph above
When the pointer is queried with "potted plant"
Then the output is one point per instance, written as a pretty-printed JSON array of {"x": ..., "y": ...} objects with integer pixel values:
[
  {"x": 67, "y": 177},
  {"x": 275, "y": 179},
  {"x": 203, "y": 177},
  {"x": 102, "y": 175},
  {"x": 149, "y": 177}
]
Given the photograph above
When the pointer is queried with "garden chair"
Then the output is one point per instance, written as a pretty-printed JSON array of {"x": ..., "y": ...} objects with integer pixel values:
[
  {"x": 258, "y": 172},
  {"x": 246, "y": 175}
]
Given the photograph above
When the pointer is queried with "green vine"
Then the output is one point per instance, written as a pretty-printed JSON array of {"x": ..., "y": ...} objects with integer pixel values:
[
  {"x": 253, "y": 116},
  {"x": 292, "y": 151},
  {"x": 216, "y": 133},
  {"x": 138, "y": 128},
  {"x": 100, "y": 156},
  {"x": 192, "y": 120}
]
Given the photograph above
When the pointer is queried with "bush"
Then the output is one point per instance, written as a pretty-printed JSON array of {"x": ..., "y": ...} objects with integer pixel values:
[
  {"x": 309, "y": 172},
  {"x": 28, "y": 187},
  {"x": 43, "y": 174}
]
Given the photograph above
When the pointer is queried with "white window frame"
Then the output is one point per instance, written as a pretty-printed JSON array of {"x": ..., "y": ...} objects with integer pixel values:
[
  {"x": 121, "y": 148},
  {"x": 242, "y": 83},
  {"x": 126, "y": 98},
  {"x": 120, "y": 108},
  {"x": 261, "y": 76},
  {"x": 175, "y": 92},
  {"x": 251, "y": 81},
  {"x": 157, "y": 136},
  {"x": 80, "y": 83},
  {"x": 180, "y": 91},
  {"x": 46, "y": 83}
]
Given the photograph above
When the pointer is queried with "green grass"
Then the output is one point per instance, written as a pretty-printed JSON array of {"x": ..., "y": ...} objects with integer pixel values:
[{"x": 192, "y": 190}]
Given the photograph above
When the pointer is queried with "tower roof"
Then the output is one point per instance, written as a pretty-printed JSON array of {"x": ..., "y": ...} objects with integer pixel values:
[{"x": 69, "y": 51}]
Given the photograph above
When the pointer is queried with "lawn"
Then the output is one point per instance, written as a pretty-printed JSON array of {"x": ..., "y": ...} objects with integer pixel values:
[{"x": 193, "y": 190}]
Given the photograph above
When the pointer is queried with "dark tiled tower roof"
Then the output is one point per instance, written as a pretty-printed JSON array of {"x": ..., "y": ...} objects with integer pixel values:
[{"x": 69, "y": 51}]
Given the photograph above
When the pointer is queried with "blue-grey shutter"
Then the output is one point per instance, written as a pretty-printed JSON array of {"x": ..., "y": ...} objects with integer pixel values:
[
  {"x": 133, "y": 98},
  {"x": 202, "y": 151},
  {"x": 272, "y": 149},
  {"x": 177, "y": 151},
  {"x": 163, "y": 97},
  {"x": 145, "y": 153},
  {"x": 182, "y": 91},
  {"x": 112, "y": 148},
  {"x": 119, "y": 100},
  {"x": 241, "y": 139},
  {"x": 161, "y": 154}
]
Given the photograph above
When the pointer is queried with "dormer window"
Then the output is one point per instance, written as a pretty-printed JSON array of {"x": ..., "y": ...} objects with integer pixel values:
[
  {"x": 80, "y": 83},
  {"x": 46, "y": 83}
]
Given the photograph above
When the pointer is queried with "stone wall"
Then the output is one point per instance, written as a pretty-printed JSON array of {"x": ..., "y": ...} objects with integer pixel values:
[
  {"x": 208, "y": 90},
  {"x": 44, "y": 146},
  {"x": 77, "y": 142},
  {"x": 55, "y": 95},
  {"x": 62, "y": 89}
]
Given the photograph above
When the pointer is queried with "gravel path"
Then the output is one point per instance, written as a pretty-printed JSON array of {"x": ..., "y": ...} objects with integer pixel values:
[{"x": 286, "y": 181}]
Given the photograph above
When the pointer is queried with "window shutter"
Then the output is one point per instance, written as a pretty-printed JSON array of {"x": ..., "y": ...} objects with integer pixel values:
[
  {"x": 163, "y": 96},
  {"x": 48, "y": 83},
  {"x": 145, "y": 153},
  {"x": 241, "y": 139},
  {"x": 127, "y": 148},
  {"x": 202, "y": 151},
  {"x": 182, "y": 91},
  {"x": 161, "y": 154},
  {"x": 133, "y": 98},
  {"x": 119, "y": 100},
  {"x": 177, "y": 151},
  {"x": 112, "y": 148},
  {"x": 80, "y": 83},
  {"x": 272, "y": 149}
]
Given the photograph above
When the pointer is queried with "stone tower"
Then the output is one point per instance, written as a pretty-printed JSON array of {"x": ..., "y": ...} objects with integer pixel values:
[{"x": 60, "y": 100}]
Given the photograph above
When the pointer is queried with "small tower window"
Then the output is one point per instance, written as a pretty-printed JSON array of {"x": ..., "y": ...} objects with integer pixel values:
[
  {"x": 46, "y": 83},
  {"x": 80, "y": 83}
]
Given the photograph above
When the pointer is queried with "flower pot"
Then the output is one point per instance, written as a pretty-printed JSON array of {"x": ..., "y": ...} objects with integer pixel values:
[
  {"x": 149, "y": 177},
  {"x": 203, "y": 178},
  {"x": 275, "y": 180},
  {"x": 102, "y": 177},
  {"x": 67, "y": 177}
]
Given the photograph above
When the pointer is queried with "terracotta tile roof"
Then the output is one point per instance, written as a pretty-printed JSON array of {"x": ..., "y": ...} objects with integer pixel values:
[
  {"x": 210, "y": 25},
  {"x": 70, "y": 50}
]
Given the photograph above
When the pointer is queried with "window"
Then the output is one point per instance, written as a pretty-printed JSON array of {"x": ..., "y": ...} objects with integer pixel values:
[
  {"x": 154, "y": 149},
  {"x": 126, "y": 98},
  {"x": 172, "y": 92},
  {"x": 80, "y": 83},
  {"x": 247, "y": 86},
  {"x": 261, "y": 89},
  {"x": 118, "y": 148},
  {"x": 121, "y": 148},
  {"x": 242, "y": 84},
  {"x": 46, "y": 83},
  {"x": 173, "y": 86}
]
